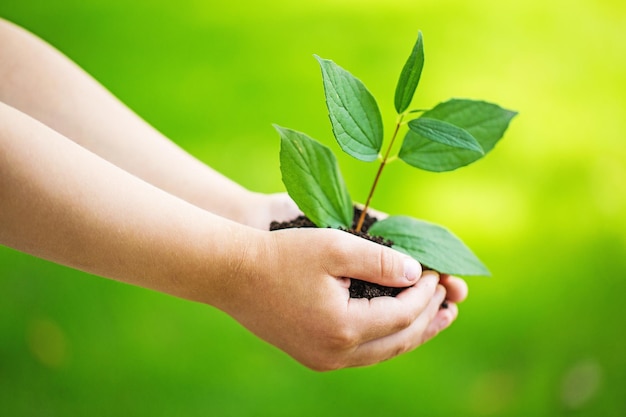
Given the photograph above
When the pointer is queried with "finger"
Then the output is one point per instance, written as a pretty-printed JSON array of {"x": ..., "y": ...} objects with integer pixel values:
[
  {"x": 441, "y": 321},
  {"x": 456, "y": 288},
  {"x": 375, "y": 263},
  {"x": 382, "y": 316},
  {"x": 387, "y": 347}
]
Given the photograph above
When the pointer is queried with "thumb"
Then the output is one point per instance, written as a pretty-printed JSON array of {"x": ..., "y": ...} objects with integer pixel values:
[{"x": 372, "y": 262}]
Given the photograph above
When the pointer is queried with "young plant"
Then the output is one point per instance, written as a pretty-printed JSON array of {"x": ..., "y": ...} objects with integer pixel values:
[{"x": 448, "y": 136}]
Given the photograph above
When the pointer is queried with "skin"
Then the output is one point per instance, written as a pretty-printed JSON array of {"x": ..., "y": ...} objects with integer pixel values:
[{"x": 86, "y": 183}]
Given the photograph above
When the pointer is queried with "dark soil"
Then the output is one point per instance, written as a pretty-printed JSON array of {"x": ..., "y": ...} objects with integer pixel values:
[{"x": 358, "y": 288}]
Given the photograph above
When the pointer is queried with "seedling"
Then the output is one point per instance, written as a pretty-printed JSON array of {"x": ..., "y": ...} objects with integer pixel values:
[{"x": 448, "y": 136}]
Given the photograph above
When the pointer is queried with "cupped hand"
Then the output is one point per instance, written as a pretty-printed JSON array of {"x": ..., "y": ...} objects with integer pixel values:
[{"x": 292, "y": 291}]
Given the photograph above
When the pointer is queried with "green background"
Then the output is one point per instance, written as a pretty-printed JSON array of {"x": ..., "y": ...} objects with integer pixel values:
[{"x": 546, "y": 210}]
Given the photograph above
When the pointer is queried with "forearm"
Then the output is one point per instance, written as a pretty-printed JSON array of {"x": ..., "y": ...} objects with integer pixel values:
[
  {"x": 61, "y": 202},
  {"x": 41, "y": 82}
]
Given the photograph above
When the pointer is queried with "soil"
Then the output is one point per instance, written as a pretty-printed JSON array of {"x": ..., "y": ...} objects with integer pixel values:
[{"x": 358, "y": 288}]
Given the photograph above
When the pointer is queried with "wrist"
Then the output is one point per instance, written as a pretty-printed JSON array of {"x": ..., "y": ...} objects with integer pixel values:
[{"x": 224, "y": 257}]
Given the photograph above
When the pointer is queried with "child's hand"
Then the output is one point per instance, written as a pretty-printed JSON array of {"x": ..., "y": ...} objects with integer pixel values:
[{"x": 292, "y": 291}]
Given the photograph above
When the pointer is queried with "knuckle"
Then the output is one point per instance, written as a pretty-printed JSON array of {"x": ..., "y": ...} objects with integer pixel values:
[
  {"x": 404, "y": 348},
  {"x": 337, "y": 248},
  {"x": 404, "y": 320},
  {"x": 342, "y": 339},
  {"x": 400, "y": 349},
  {"x": 385, "y": 261},
  {"x": 331, "y": 251}
]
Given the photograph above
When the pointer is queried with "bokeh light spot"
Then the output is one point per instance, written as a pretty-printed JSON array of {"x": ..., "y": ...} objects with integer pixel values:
[
  {"x": 581, "y": 383},
  {"x": 47, "y": 342}
]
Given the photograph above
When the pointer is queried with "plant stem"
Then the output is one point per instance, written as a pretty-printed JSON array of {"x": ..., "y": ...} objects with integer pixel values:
[{"x": 359, "y": 224}]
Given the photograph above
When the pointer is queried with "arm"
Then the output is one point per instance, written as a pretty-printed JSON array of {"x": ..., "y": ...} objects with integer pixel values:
[
  {"x": 63, "y": 203},
  {"x": 41, "y": 82}
]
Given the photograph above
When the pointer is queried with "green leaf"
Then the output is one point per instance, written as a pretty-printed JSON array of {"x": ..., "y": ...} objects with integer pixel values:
[
  {"x": 433, "y": 246},
  {"x": 312, "y": 178},
  {"x": 354, "y": 114},
  {"x": 410, "y": 76},
  {"x": 486, "y": 122},
  {"x": 445, "y": 134}
]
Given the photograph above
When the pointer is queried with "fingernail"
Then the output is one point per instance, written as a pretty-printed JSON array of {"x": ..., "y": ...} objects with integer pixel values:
[{"x": 412, "y": 269}]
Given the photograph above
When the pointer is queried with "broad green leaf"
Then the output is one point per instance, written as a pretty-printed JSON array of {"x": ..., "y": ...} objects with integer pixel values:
[
  {"x": 311, "y": 176},
  {"x": 354, "y": 115},
  {"x": 486, "y": 122},
  {"x": 410, "y": 76},
  {"x": 445, "y": 133},
  {"x": 433, "y": 246}
]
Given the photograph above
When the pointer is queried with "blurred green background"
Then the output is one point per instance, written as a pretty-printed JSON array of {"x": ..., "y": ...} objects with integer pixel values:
[{"x": 546, "y": 210}]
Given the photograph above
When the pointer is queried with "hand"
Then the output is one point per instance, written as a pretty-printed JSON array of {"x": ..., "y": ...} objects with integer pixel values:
[
  {"x": 293, "y": 293},
  {"x": 266, "y": 208}
]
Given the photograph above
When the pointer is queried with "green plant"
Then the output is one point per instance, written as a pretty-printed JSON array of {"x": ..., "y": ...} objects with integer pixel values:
[{"x": 448, "y": 136}]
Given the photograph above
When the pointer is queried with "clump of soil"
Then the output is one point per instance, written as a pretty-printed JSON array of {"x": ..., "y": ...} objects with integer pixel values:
[{"x": 358, "y": 288}]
